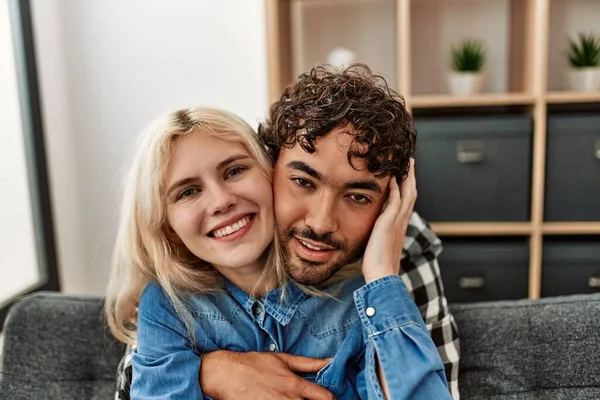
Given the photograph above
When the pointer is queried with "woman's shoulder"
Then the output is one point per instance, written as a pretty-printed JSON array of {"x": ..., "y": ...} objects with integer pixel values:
[
  {"x": 153, "y": 292},
  {"x": 214, "y": 305},
  {"x": 153, "y": 297}
]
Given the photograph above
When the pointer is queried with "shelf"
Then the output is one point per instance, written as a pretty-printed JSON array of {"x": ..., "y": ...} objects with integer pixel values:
[
  {"x": 571, "y": 228},
  {"x": 479, "y": 100},
  {"x": 482, "y": 228},
  {"x": 341, "y": 32},
  {"x": 572, "y": 97},
  {"x": 567, "y": 18},
  {"x": 436, "y": 26}
]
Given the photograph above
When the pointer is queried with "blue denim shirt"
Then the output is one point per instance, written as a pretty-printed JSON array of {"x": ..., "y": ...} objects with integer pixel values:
[{"x": 166, "y": 365}]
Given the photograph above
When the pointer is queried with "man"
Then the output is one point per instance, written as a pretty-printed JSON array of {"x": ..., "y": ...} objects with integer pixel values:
[{"x": 336, "y": 138}]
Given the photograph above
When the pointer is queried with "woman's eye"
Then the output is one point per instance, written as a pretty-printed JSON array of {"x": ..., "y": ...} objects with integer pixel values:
[
  {"x": 187, "y": 193},
  {"x": 302, "y": 182},
  {"x": 235, "y": 171},
  {"x": 360, "y": 199}
]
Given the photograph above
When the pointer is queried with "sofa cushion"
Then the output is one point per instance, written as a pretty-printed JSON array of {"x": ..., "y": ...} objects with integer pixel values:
[{"x": 544, "y": 349}]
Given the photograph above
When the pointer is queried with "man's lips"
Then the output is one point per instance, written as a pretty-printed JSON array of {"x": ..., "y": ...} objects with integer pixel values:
[
  {"x": 311, "y": 244},
  {"x": 318, "y": 253}
]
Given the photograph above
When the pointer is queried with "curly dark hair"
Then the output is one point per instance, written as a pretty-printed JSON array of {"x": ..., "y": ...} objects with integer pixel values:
[{"x": 326, "y": 98}]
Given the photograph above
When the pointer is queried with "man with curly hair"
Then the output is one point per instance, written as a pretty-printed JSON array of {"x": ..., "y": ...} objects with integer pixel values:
[{"x": 336, "y": 138}]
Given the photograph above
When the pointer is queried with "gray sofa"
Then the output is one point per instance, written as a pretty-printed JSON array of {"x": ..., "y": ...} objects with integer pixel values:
[{"x": 57, "y": 347}]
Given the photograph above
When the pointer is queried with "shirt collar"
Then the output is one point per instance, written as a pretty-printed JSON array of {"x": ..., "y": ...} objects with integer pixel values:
[{"x": 282, "y": 308}]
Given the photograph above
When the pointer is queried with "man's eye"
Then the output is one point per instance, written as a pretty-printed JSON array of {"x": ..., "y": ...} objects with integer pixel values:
[
  {"x": 302, "y": 182},
  {"x": 187, "y": 193},
  {"x": 360, "y": 199},
  {"x": 235, "y": 171}
]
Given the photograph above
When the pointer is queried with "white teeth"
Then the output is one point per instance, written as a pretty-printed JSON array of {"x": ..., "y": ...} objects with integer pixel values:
[
  {"x": 236, "y": 226},
  {"x": 310, "y": 246}
]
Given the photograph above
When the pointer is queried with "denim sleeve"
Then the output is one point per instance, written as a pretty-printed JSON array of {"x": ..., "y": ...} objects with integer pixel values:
[
  {"x": 397, "y": 338},
  {"x": 165, "y": 366}
]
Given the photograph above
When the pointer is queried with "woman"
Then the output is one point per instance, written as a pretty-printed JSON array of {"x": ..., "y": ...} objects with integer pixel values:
[{"x": 196, "y": 250}]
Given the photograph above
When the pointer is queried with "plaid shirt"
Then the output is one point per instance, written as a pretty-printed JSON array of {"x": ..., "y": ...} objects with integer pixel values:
[{"x": 421, "y": 275}]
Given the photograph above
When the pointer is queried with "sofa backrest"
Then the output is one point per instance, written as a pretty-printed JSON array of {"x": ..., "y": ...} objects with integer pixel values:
[{"x": 58, "y": 347}]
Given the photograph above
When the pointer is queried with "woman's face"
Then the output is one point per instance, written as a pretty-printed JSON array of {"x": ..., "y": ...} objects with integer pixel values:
[{"x": 218, "y": 201}]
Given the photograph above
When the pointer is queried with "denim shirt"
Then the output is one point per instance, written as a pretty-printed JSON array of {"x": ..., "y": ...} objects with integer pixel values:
[{"x": 364, "y": 323}]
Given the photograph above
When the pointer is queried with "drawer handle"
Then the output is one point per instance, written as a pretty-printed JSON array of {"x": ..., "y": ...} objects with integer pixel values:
[
  {"x": 594, "y": 282},
  {"x": 598, "y": 149},
  {"x": 471, "y": 282},
  {"x": 470, "y": 152}
]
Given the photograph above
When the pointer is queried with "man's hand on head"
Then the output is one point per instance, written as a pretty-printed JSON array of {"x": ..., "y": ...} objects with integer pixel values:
[
  {"x": 263, "y": 376},
  {"x": 384, "y": 249}
]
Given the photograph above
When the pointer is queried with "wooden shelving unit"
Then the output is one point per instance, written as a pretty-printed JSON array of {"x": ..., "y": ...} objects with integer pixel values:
[
  {"x": 571, "y": 228},
  {"x": 482, "y": 228},
  {"x": 525, "y": 71},
  {"x": 480, "y": 100},
  {"x": 572, "y": 97}
]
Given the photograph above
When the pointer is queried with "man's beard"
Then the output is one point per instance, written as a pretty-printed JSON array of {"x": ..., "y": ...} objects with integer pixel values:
[{"x": 313, "y": 273}]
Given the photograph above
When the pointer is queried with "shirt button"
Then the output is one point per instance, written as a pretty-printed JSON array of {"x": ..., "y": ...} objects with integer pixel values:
[
  {"x": 272, "y": 347},
  {"x": 370, "y": 311},
  {"x": 256, "y": 309}
]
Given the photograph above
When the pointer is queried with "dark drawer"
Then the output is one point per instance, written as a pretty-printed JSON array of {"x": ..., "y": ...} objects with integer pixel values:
[
  {"x": 474, "y": 169},
  {"x": 573, "y": 168},
  {"x": 484, "y": 270},
  {"x": 571, "y": 266}
]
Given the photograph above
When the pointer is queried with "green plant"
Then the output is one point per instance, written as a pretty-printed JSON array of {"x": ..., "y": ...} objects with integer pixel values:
[
  {"x": 584, "y": 52},
  {"x": 468, "y": 56}
]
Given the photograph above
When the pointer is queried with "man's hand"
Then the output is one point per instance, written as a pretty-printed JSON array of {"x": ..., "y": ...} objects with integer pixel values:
[
  {"x": 384, "y": 250},
  {"x": 230, "y": 375}
]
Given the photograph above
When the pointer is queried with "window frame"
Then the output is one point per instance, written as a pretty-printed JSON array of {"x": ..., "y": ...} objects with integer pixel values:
[{"x": 35, "y": 152}]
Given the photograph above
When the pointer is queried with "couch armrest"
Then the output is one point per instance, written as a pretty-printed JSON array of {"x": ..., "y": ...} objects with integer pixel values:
[{"x": 58, "y": 346}]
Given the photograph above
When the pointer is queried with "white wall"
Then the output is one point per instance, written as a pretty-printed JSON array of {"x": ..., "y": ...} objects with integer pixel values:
[{"x": 107, "y": 68}]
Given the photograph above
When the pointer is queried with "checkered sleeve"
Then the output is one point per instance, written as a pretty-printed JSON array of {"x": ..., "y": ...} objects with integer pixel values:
[
  {"x": 421, "y": 275},
  {"x": 124, "y": 371}
]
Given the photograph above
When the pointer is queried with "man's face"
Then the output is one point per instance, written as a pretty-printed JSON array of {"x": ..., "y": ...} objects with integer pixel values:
[{"x": 325, "y": 209}]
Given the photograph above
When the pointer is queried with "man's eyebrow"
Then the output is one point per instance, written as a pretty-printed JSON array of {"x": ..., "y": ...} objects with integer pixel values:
[
  {"x": 304, "y": 167},
  {"x": 366, "y": 185}
]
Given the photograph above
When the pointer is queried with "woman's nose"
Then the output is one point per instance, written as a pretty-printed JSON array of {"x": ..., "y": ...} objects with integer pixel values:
[{"x": 221, "y": 199}]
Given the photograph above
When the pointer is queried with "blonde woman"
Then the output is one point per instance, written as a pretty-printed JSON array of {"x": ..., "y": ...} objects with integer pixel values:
[{"x": 196, "y": 252}]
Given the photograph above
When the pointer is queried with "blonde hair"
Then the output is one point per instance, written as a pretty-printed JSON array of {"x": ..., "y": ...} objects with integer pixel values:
[{"x": 146, "y": 248}]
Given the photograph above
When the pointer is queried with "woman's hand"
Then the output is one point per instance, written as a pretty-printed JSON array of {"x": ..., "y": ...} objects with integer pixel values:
[{"x": 384, "y": 249}]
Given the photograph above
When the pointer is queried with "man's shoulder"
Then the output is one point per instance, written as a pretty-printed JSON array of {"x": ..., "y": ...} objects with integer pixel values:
[{"x": 420, "y": 238}]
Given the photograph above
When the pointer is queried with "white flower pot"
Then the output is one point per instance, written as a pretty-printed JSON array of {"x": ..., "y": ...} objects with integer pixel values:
[
  {"x": 585, "y": 79},
  {"x": 465, "y": 83}
]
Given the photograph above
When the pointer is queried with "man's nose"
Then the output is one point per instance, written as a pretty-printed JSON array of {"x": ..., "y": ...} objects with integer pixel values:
[
  {"x": 321, "y": 216},
  {"x": 220, "y": 199}
]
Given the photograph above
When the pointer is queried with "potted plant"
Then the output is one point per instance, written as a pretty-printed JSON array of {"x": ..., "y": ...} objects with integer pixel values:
[
  {"x": 468, "y": 59},
  {"x": 584, "y": 59}
]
